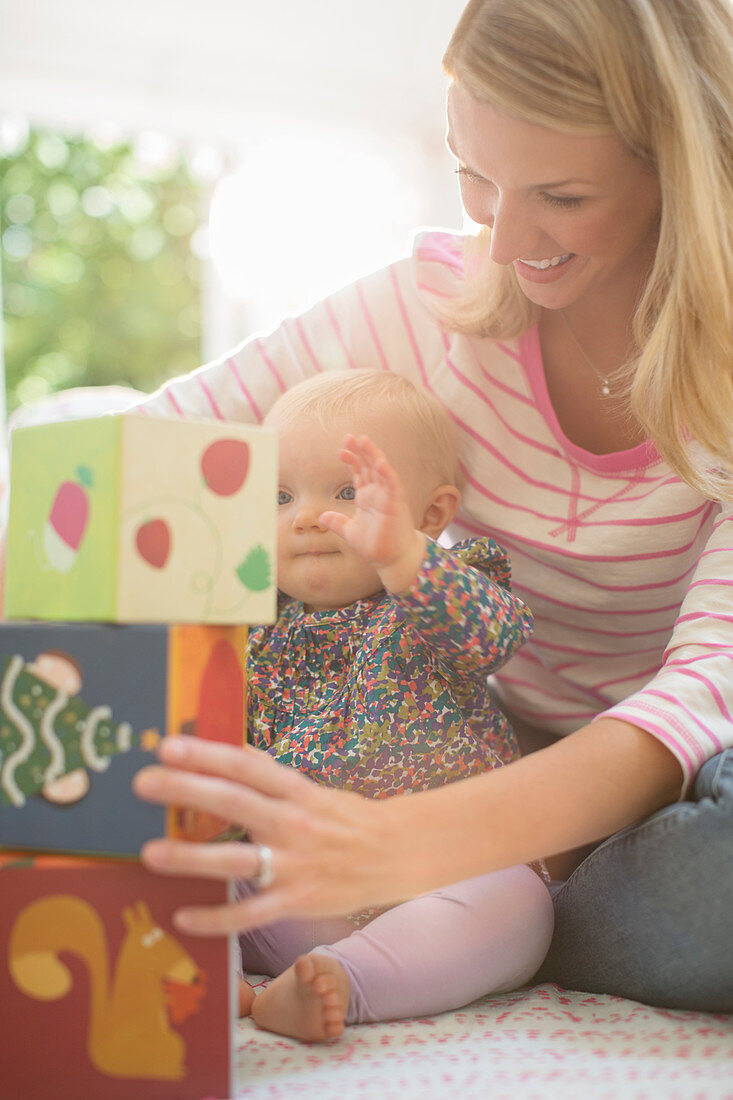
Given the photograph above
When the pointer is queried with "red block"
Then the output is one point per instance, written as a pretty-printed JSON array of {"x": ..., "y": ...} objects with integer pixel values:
[{"x": 100, "y": 997}]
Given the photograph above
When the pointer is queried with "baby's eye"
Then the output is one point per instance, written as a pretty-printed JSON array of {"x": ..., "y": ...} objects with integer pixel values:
[
  {"x": 284, "y": 497},
  {"x": 347, "y": 493}
]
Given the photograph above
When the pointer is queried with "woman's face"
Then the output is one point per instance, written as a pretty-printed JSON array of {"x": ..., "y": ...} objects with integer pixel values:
[{"x": 577, "y": 217}]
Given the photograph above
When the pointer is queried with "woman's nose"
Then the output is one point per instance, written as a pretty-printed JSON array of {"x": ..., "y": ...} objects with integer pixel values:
[{"x": 512, "y": 235}]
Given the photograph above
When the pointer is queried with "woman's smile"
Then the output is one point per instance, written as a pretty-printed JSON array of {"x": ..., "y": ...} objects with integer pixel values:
[{"x": 545, "y": 271}]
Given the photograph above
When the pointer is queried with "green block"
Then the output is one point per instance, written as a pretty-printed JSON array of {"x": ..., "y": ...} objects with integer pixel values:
[
  {"x": 131, "y": 518},
  {"x": 62, "y": 533}
]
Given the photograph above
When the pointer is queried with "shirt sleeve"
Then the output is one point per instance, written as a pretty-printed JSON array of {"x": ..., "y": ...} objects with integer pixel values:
[
  {"x": 384, "y": 321},
  {"x": 461, "y": 605},
  {"x": 688, "y": 704}
]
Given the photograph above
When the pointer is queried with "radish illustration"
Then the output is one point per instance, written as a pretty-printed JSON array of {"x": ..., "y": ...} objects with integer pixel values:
[
  {"x": 224, "y": 464},
  {"x": 153, "y": 541},
  {"x": 67, "y": 522}
]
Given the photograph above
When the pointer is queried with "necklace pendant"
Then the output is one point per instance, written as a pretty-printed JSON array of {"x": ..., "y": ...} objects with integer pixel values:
[{"x": 605, "y": 388}]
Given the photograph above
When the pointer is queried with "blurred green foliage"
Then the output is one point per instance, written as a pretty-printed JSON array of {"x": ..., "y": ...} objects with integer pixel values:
[{"x": 100, "y": 284}]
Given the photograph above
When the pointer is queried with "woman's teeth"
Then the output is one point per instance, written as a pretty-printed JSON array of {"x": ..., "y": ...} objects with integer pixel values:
[{"x": 542, "y": 264}]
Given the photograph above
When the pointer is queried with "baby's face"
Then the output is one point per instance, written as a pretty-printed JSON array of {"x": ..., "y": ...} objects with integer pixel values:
[{"x": 314, "y": 565}]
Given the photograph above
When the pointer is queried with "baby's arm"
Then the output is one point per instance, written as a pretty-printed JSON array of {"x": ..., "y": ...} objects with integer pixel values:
[
  {"x": 472, "y": 622},
  {"x": 381, "y": 529},
  {"x": 466, "y": 613}
]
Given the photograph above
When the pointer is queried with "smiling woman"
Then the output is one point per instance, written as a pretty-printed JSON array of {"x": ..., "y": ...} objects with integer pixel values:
[
  {"x": 591, "y": 234},
  {"x": 582, "y": 345}
]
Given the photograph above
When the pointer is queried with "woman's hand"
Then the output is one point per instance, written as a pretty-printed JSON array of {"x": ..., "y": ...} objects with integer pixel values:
[
  {"x": 335, "y": 852},
  {"x": 330, "y": 848}
]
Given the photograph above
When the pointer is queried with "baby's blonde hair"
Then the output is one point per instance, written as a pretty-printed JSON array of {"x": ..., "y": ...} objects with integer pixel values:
[
  {"x": 658, "y": 73},
  {"x": 367, "y": 393}
]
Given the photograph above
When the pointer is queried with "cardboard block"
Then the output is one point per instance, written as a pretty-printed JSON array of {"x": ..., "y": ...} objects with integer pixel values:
[
  {"x": 130, "y": 518},
  {"x": 100, "y": 996},
  {"x": 82, "y": 708}
]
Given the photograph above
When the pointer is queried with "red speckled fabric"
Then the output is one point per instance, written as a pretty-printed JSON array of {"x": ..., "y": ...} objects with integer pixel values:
[{"x": 390, "y": 693}]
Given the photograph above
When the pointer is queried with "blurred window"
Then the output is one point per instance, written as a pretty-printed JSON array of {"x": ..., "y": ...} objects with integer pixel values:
[{"x": 101, "y": 261}]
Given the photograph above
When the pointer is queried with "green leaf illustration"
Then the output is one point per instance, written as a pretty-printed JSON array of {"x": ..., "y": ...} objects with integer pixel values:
[
  {"x": 85, "y": 476},
  {"x": 255, "y": 572}
]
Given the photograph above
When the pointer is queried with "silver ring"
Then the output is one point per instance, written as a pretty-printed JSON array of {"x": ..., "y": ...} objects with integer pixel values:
[{"x": 264, "y": 876}]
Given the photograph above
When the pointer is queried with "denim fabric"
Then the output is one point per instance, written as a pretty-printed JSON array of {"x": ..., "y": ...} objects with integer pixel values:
[{"x": 649, "y": 914}]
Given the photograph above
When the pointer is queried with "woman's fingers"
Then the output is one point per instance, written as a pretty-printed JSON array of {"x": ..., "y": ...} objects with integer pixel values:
[
  {"x": 217, "y": 920},
  {"x": 212, "y": 860},
  {"x": 256, "y": 769},
  {"x": 264, "y": 816},
  {"x": 331, "y": 850},
  {"x": 222, "y": 861}
]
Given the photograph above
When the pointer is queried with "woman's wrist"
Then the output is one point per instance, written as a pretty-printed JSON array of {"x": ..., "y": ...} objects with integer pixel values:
[{"x": 583, "y": 788}]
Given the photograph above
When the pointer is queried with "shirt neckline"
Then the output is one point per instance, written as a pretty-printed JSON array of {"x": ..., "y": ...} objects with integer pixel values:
[
  {"x": 642, "y": 455},
  {"x": 335, "y": 614}
]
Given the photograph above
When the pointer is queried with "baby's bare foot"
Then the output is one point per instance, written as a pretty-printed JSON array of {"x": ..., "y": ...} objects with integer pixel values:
[
  {"x": 307, "y": 1001},
  {"x": 246, "y": 998}
]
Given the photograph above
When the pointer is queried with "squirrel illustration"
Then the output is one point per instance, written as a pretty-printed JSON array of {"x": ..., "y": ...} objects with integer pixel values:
[{"x": 154, "y": 977}]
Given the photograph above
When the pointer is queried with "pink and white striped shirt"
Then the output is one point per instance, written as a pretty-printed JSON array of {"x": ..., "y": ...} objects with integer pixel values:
[{"x": 628, "y": 571}]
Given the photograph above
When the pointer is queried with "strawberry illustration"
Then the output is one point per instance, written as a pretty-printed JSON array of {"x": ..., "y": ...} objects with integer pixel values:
[
  {"x": 67, "y": 521},
  {"x": 153, "y": 541},
  {"x": 224, "y": 464}
]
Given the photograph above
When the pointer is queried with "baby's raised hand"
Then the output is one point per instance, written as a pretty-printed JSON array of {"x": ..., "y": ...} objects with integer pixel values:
[{"x": 380, "y": 526}]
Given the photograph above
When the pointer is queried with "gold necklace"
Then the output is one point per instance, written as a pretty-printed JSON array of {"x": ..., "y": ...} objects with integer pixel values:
[{"x": 605, "y": 381}]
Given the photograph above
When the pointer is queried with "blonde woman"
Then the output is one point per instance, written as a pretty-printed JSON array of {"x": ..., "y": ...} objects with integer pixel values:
[{"x": 582, "y": 343}]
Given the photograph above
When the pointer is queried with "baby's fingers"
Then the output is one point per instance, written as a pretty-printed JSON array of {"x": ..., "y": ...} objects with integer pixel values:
[
  {"x": 368, "y": 463},
  {"x": 360, "y": 452},
  {"x": 334, "y": 521}
]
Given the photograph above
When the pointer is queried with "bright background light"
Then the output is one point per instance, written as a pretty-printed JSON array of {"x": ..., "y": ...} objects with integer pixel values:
[
  {"x": 320, "y": 126},
  {"x": 304, "y": 213}
]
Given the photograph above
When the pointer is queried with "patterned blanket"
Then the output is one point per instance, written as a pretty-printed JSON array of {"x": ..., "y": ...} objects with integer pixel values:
[{"x": 536, "y": 1044}]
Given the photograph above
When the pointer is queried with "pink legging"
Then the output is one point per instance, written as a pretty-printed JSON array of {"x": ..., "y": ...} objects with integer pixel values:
[{"x": 434, "y": 953}]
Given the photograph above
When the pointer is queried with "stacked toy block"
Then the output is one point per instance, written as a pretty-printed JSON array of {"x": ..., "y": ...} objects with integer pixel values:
[{"x": 138, "y": 551}]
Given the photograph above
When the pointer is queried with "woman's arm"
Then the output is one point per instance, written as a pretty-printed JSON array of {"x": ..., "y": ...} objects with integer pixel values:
[
  {"x": 335, "y": 852},
  {"x": 688, "y": 704},
  {"x": 370, "y": 325}
]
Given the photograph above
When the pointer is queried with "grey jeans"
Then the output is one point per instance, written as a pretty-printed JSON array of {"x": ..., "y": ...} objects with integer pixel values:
[{"x": 649, "y": 913}]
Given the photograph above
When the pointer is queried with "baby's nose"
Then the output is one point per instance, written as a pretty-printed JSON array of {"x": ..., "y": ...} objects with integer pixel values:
[{"x": 306, "y": 517}]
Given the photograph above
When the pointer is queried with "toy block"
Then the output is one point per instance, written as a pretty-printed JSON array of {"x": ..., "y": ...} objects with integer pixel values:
[
  {"x": 130, "y": 518},
  {"x": 82, "y": 708},
  {"x": 99, "y": 995}
]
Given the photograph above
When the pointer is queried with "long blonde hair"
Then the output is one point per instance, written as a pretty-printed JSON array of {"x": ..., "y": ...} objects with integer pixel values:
[{"x": 659, "y": 73}]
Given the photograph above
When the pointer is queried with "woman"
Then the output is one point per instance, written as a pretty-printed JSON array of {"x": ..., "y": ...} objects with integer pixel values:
[{"x": 583, "y": 345}]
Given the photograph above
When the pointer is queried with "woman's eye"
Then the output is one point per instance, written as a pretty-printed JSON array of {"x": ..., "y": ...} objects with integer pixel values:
[
  {"x": 347, "y": 493},
  {"x": 283, "y": 496},
  {"x": 566, "y": 202}
]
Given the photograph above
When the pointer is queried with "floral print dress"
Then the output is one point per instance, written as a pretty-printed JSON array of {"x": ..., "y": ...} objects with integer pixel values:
[{"x": 390, "y": 694}]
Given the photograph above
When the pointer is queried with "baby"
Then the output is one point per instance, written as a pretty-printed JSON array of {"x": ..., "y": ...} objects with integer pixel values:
[{"x": 374, "y": 678}]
